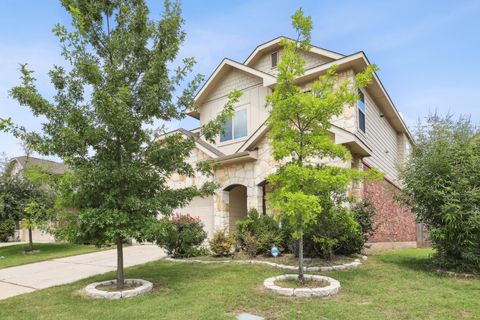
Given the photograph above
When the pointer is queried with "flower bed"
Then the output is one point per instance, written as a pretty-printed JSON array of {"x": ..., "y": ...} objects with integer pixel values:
[
  {"x": 332, "y": 288},
  {"x": 142, "y": 286}
]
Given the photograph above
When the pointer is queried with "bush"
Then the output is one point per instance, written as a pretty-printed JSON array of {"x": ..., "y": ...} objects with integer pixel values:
[
  {"x": 337, "y": 232},
  {"x": 251, "y": 245},
  {"x": 442, "y": 185},
  {"x": 180, "y": 236},
  {"x": 266, "y": 231},
  {"x": 222, "y": 243},
  {"x": 7, "y": 229},
  {"x": 364, "y": 213}
]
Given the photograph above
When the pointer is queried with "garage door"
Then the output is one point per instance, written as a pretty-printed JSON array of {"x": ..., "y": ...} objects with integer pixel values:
[{"x": 203, "y": 208}]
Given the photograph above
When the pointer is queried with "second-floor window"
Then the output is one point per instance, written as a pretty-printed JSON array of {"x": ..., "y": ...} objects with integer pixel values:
[
  {"x": 361, "y": 111},
  {"x": 274, "y": 59},
  {"x": 235, "y": 127}
]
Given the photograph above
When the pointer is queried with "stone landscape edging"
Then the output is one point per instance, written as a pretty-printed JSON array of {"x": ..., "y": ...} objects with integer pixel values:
[
  {"x": 346, "y": 266},
  {"x": 458, "y": 275},
  {"x": 92, "y": 291},
  {"x": 331, "y": 289}
]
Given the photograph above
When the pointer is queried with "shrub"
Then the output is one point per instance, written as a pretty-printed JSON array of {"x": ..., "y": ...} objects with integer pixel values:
[
  {"x": 337, "y": 232},
  {"x": 250, "y": 244},
  {"x": 442, "y": 185},
  {"x": 180, "y": 236},
  {"x": 7, "y": 229},
  {"x": 265, "y": 229},
  {"x": 364, "y": 213},
  {"x": 221, "y": 244}
]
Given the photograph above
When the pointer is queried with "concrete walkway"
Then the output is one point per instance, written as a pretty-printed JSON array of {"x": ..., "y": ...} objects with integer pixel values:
[
  {"x": 8, "y": 244},
  {"x": 40, "y": 275}
]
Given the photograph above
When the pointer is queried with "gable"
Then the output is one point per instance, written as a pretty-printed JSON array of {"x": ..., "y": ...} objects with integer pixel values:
[{"x": 264, "y": 62}]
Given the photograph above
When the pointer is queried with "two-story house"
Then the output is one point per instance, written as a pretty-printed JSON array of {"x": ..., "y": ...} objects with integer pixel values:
[{"x": 372, "y": 130}]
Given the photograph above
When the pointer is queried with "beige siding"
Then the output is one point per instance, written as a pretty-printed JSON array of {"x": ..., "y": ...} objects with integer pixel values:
[
  {"x": 253, "y": 98},
  {"x": 382, "y": 138},
  {"x": 264, "y": 63}
]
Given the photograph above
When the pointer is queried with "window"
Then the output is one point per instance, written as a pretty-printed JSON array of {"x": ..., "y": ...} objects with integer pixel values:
[
  {"x": 235, "y": 127},
  {"x": 361, "y": 111},
  {"x": 274, "y": 59}
]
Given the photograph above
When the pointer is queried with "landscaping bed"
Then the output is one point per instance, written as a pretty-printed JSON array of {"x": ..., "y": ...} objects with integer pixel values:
[{"x": 396, "y": 285}]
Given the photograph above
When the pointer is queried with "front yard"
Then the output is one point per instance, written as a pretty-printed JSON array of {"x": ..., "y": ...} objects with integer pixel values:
[
  {"x": 14, "y": 255},
  {"x": 388, "y": 286}
]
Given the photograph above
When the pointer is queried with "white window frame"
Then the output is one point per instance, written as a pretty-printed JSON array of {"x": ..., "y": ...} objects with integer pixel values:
[
  {"x": 233, "y": 140},
  {"x": 364, "y": 112},
  {"x": 271, "y": 59}
]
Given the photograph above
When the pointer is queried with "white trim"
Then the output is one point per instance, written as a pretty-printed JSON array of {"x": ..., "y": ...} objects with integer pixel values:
[
  {"x": 267, "y": 79},
  {"x": 244, "y": 106},
  {"x": 313, "y": 49}
]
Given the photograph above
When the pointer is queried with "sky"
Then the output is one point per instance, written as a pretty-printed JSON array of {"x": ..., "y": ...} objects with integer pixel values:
[{"x": 427, "y": 51}]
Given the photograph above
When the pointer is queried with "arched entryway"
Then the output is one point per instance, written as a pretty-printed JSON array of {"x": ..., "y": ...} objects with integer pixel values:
[{"x": 237, "y": 204}]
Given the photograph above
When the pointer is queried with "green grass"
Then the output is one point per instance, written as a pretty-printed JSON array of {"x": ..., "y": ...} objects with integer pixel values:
[
  {"x": 286, "y": 259},
  {"x": 14, "y": 255},
  {"x": 388, "y": 286}
]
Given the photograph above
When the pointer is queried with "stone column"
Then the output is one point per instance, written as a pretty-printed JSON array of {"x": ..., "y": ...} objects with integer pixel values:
[
  {"x": 221, "y": 200},
  {"x": 357, "y": 186},
  {"x": 255, "y": 198}
]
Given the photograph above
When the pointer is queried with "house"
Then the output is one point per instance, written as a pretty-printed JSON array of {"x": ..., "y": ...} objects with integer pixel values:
[
  {"x": 17, "y": 165},
  {"x": 372, "y": 130}
]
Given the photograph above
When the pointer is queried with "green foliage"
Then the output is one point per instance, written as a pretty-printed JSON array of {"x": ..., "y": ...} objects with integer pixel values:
[
  {"x": 337, "y": 232},
  {"x": 28, "y": 197},
  {"x": 250, "y": 244},
  {"x": 7, "y": 229},
  {"x": 300, "y": 123},
  {"x": 222, "y": 243},
  {"x": 264, "y": 229},
  {"x": 364, "y": 213},
  {"x": 124, "y": 76},
  {"x": 442, "y": 185},
  {"x": 180, "y": 236}
]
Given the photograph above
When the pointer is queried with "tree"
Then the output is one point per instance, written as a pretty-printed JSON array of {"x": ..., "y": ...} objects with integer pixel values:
[
  {"x": 442, "y": 185},
  {"x": 27, "y": 197},
  {"x": 299, "y": 123},
  {"x": 121, "y": 79}
]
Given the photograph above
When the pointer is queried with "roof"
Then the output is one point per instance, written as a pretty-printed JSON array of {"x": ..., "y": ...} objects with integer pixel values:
[
  {"x": 357, "y": 61},
  {"x": 49, "y": 165},
  {"x": 275, "y": 43},
  {"x": 201, "y": 144},
  {"x": 222, "y": 69}
]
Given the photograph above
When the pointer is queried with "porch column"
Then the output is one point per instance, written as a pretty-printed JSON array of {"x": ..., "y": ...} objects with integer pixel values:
[
  {"x": 357, "y": 186},
  {"x": 255, "y": 198},
  {"x": 221, "y": 200}
]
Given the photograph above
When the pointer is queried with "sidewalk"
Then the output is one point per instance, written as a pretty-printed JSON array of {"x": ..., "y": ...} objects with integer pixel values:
[{"x": 40, "y": 275}]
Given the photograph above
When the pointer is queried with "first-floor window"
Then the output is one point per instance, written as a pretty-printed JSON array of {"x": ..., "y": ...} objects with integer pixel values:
[{"x": 235, "y": 127}]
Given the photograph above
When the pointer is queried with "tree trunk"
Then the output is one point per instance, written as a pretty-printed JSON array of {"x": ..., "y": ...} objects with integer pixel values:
[
  {"x": 30, "y": 240},
  {"x": 120, "y": 275},
  {"x": 301, "y": 278}
]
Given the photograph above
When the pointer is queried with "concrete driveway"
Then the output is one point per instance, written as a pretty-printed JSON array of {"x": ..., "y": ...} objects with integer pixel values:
[{"x": 40, "y": 275}]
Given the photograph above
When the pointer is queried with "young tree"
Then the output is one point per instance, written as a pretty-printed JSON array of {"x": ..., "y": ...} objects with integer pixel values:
[
  {"x": 121, "y": 78},
  {"x": 299, "y": 123},
  {"x": 442, "y": 185},
  {"x": 27, "y": 197}
]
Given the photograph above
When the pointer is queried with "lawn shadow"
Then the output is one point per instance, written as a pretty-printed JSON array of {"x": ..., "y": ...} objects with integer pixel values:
[{"x": 412, "y": 259}]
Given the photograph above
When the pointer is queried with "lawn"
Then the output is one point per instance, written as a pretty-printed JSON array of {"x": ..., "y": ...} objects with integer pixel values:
[
  {"x": 388, "y": 286},
  {"x": 14, "y": 255}
]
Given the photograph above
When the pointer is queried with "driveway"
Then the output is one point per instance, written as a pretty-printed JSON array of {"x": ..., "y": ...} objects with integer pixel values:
[{"x": 40, "y": 275}]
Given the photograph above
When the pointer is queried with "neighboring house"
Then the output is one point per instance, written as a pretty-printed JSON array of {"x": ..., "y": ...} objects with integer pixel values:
[
  {"x": 372, "y": 130},
  {"x": 14, "y": 167}
]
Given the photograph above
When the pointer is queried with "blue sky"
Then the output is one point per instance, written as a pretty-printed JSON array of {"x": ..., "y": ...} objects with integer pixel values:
[{"x": 428, "y": 51}]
